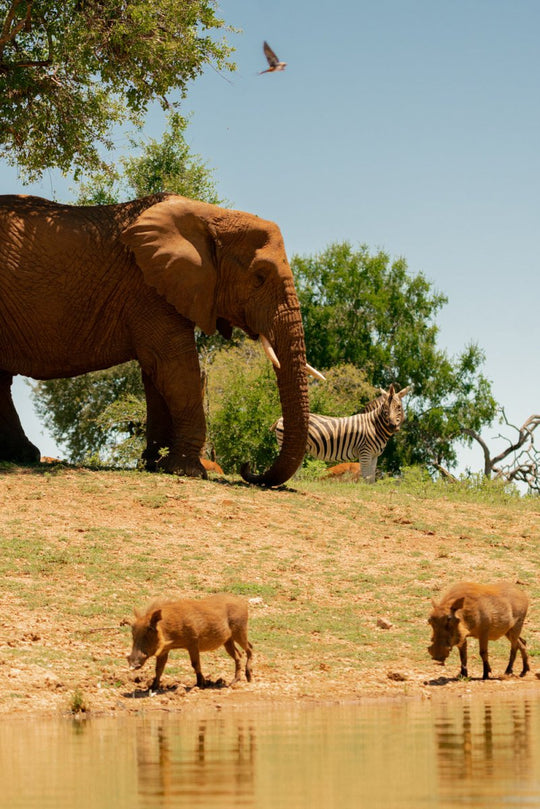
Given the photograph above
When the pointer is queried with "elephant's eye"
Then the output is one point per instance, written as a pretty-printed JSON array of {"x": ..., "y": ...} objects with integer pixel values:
[{"x": 258, "y": 279}]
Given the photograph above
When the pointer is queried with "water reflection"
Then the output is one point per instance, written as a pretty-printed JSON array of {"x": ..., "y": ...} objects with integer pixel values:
[
  {"x": 487, "y": 745},
  {"x": 398, "y": 755},
  {"x": 208, "y": 761}
]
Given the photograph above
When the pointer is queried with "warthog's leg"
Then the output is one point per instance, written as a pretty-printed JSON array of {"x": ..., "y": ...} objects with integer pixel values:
[
  {"x": 524, "y": 657},
  {"x": 249, "y": 655},
  {"x": 463, "y": 658},
  {"x": 241, "y": 637},
  {"x": 160, "y": 665},
  {"x": 517, "y": 643},
  {"x": 483, "y": 644},
  {"x": 195, "y": 658},
  {"x": 235, "y": 654},
  {"x": 513, "y": 652}
]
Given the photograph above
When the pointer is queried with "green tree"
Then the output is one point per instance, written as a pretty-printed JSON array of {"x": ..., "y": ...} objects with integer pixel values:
[
  {"x": 151, "y": 167},
  {"x": 242, "y": 404},
  {"x": 363, "y": 309},
  {"x": 79, "y": 412},
  {"x": 345, "y": 391},
  {"x": 371, "y": 312},
  {"x": 72, "y": 69}
]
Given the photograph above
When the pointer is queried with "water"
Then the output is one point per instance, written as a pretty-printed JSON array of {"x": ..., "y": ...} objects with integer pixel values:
[{"x": 442, "y": 754}]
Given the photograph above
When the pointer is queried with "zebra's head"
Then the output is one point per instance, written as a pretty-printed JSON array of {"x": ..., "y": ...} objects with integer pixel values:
[{"x": 392, "y": 408}]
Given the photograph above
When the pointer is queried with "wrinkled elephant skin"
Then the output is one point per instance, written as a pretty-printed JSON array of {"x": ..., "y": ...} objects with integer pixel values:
[{"x": 86, "y": 288}]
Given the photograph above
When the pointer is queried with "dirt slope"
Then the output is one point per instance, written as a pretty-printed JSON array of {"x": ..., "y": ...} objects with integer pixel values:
[{"x": 339, "y": 576}]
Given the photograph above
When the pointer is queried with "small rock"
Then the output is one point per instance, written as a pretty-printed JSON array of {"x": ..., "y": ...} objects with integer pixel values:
[
  {"x": 52, "y": 680},
  {"x": 397, "y": 676},
  {"x": 384, "y": 623}
]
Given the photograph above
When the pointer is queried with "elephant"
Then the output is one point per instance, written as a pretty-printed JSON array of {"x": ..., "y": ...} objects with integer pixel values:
[{"x": 84, "y": 288}]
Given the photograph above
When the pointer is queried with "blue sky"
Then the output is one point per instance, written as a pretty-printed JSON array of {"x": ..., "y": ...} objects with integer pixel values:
[{"x": 412, "y": 126}]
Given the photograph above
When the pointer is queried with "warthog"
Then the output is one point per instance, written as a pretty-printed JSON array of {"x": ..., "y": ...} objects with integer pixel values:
[
  {"x": 196, "y": 625},
  {"x": 211, "y": 466},
  {"x": 483, "y": 611},
  {"x": 342, "y": 470}
]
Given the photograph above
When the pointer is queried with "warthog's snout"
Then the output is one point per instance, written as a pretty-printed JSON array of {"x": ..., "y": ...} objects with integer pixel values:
[
  {"x": 136, "y": 660},
  {"x": 438, "y": 654}
]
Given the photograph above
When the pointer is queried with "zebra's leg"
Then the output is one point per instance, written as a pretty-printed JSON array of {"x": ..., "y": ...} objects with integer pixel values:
[{"x": 368, "y": 466}]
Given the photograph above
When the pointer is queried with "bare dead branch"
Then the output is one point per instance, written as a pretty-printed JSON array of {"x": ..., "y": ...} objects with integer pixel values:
[
  {"x": 524, "y": 432},
  {"x": 485, "y": 449},
  {"x": 520, "y": 460}
]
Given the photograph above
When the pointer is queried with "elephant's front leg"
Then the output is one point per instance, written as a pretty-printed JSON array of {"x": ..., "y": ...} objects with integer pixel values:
[{"x": 175, "y": 427}]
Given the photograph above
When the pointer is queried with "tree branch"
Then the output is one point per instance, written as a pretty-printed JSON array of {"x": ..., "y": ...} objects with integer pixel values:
[
  {"x": 523, "y": 433},
  {"x": 7, "y": 66},
  {"x": 525, "y": 465},
  {"x": 10, "y": 29},
  {"x": 488, "y": 466},
  {"x": 444, "y": 472}
]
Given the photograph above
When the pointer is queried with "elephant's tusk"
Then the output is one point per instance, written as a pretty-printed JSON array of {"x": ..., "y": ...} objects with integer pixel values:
[
  {"x": 269, "y": 351},
  {"x": 271, "y": 354},
  {"x": 315, "y": 373}
]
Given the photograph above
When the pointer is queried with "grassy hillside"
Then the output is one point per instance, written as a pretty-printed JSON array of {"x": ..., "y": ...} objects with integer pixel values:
[{"x": 340, "y": 576}]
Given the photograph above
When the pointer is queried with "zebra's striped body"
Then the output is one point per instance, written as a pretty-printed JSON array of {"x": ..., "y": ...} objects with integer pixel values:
[{"x": 360, "y": 437}]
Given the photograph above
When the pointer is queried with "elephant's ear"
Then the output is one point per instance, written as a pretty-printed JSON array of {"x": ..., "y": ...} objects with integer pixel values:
[{"x": 174, "y": 249}]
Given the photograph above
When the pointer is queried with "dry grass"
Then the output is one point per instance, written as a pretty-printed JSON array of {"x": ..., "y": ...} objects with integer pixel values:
[{"x": 327, "y": 565}]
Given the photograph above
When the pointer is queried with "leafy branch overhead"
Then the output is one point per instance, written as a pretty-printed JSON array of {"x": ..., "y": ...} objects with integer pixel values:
[{"x": 72, "y": 69}]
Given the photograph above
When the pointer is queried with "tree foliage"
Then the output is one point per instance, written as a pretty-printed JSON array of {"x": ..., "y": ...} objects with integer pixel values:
[
  {"x": 153, "y": 166},
  {"x": 242, "y": 404},
  {"x": 82, "y": 414},
  {"x": 72, "y": 69},
  {"x": 345, "y": 391},
  {"x": 363, "y": 309},
  {"x": 371, "y": 312}
]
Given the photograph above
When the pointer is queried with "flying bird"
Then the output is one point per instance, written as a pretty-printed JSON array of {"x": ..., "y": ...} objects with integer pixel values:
[{"x": 272, "y": 60}]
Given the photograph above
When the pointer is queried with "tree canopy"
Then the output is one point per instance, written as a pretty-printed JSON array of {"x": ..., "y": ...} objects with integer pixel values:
[
  {"x": 72, "y": 69},
  {"x": 361, "y": 308},
  {"x": 98, "y": 416},
  {"x": 153, "y": 166}
]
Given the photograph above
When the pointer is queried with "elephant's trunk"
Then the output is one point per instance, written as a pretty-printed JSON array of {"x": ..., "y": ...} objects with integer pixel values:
[{"x": 287, "y": 338}]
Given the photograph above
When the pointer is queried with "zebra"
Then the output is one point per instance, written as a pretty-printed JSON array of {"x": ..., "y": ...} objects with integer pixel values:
[{"x": 362, "y": 436}]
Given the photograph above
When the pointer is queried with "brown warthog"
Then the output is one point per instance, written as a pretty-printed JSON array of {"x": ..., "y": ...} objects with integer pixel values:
[
  {"x": 211, "y": 466},
  {"x": 483, "y": 611},
  {"x": 196, "y": 625},
  {"x": 343, "y": 470}
]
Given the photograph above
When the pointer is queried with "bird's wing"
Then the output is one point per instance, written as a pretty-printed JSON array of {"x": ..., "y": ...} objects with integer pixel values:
[{"x": 270, "y": 55}]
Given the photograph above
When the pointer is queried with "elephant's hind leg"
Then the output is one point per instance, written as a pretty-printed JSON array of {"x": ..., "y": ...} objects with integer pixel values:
[
  {"x": 14, "y": 445},
  {"x": 159, "y": 430}
]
